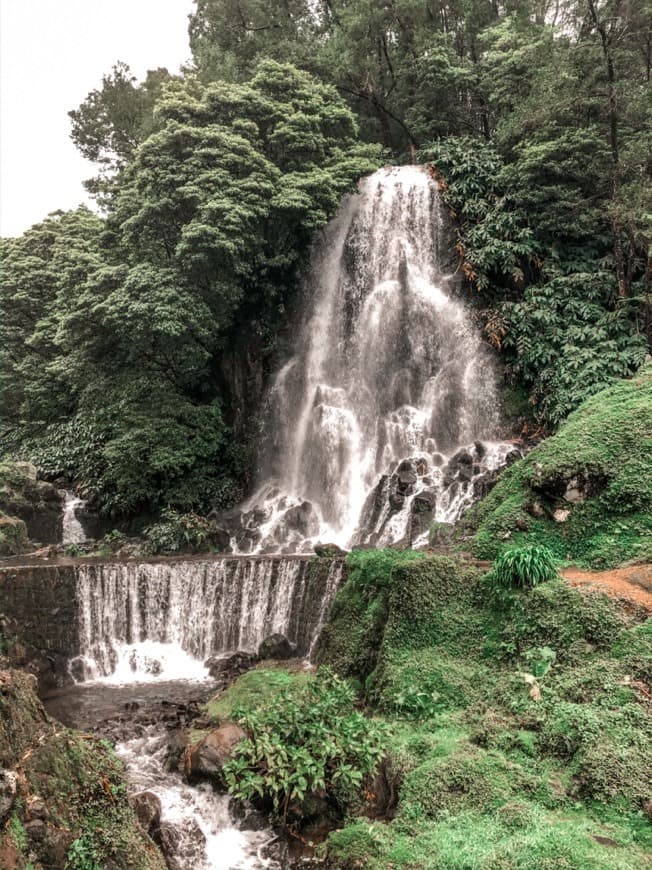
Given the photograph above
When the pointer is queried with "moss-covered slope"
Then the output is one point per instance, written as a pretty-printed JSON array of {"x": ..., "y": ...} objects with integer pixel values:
[
  {"x": 586, "y": 492},
  {"x": 521, "y": 731},
  {"x": 63, "y": 796}
]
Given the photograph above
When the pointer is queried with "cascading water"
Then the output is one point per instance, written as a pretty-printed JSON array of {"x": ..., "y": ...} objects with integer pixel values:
[
  {"x": 73, "y": 531},
  {"x": 144, "y": 621},
  {"x": 375, "y": 422}
]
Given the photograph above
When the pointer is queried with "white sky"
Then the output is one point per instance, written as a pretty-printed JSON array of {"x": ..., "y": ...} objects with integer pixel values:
[{"x": 52, "y": 53}]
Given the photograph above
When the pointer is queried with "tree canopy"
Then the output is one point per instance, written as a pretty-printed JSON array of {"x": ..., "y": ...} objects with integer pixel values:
[{"x": 150, "y": 328}]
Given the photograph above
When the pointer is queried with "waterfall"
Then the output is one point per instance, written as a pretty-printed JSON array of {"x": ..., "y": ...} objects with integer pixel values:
[
  {"x": 151, "y": 620},
  {"x": 382, "y": 420},
  {"x": 73, "y": 532}
]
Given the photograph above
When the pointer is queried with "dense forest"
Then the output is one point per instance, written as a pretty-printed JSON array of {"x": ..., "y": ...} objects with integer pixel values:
[{"x": 136, "y": 341}]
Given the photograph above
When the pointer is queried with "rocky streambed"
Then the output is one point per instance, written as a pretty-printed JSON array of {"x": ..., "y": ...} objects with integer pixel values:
[{"x": 151, "y": 725}]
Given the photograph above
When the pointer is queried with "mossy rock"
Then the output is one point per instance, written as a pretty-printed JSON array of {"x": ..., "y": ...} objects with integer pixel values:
[
  {"x": 13, "y": 535},
  {"x": 78, "y": 781}
]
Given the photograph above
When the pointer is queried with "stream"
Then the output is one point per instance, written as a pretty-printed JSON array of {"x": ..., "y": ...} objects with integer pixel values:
[{"x": 143, "y": 720}]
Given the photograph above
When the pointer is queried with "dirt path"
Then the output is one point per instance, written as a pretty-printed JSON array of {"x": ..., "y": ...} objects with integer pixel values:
[{"x": 629, "y": 584}]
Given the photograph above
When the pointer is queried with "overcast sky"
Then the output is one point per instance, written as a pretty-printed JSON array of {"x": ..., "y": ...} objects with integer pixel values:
[{"x": 52, "y": 53}]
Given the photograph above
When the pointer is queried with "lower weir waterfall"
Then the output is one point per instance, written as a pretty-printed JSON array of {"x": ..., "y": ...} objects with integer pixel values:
[
  {"x": 375, "y": 424},
  {"x": 141, "y": 621}
]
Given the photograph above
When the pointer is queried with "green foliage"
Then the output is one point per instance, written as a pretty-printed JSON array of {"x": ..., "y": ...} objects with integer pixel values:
[
  {"x": 568, "y": 341},
  {"x": 179, "y": 533},
  {"x": 605, "y": 449},
  {"x": 119, "y": 334},
  {"x": 306, "y": 741},
  {"x": 82, "y": 855},
  {"x": 521, "y": 568}
]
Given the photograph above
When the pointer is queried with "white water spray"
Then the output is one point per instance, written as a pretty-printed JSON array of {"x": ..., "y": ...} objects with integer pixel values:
[
  {"x": 73, "y": 532},
  {"x": 147, "y": 621}
]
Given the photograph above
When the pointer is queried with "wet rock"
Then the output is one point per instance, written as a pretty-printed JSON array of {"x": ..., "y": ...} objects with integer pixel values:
[
  {"x": 421, "y": 513},
  {"x": 480, "y": 449},
  {"x": 484, "y": 483},
  {"x": 424, "y": 501},
  {"x": 228, "y": 668},
  {"x": 406, "y": 476},
  {"x": 147, "y": 807},
  {"x": 461, "y": 458},
  {"x": 145, "y": 663},
  {"x": 329, "y": 551},
  {"x": 247, "y": 817},
  {"x": 168, "y": 839},
  {"x": 208, "y": 757},
  {"x": 276, "y": 646},
  {"x": 8, "y": 782},
  {"x": 513, "y": 456},
  {"x": 301, "y": 519},
  {"x": 277, "y": 851}
]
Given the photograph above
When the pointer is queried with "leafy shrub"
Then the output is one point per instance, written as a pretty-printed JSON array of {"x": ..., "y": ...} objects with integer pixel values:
[
  {"x": 308, "y": 740},
  {"x": 82, "y": 855},
  {"x": 521, "y": 568},
  {"x": 177, "y": 532}
]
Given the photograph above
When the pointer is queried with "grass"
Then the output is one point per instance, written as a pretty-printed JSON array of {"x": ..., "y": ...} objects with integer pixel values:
[{"x": 253, "y": 689}]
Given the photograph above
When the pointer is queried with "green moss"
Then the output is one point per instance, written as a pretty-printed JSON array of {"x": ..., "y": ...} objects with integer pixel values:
[
  {"x": 253, "y": 689},
  {"x": 606, "y": 445},
  {"x": 80, "y": 780},
  {"x": 517, "y": 836},
  {"x": 351, "y": 640},
  {"x": 492, "y": 774}
]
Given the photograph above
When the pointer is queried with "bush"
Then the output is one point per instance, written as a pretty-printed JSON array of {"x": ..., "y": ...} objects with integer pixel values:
[
  {"x": 521, "y": 568},
  {"x": 308, "y": 741},
  {"x": 178, "y": 532}
]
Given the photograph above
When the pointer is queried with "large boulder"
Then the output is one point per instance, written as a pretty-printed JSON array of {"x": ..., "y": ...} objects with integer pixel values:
[
  {"x": 276, "y": 646},
  {"x": 208, "y": 757},
  {"x": 229, "y": 668}
]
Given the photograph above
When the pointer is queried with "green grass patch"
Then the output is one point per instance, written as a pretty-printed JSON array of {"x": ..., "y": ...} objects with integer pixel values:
[{"x": 253, "y": 690}]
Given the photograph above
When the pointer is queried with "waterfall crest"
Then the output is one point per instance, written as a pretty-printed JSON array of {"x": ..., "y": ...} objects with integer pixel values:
[
  {"x": 145, "y": 620},
  {"x": 378, "y": 416}
]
